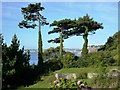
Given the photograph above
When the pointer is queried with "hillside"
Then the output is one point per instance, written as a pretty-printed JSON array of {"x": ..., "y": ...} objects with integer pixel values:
[
  {"x": 112, "y": 42},
  {"x": 112, "y": 45},
  {"x": 80, "y": 72},
  {"x": 101, "y": 62}
]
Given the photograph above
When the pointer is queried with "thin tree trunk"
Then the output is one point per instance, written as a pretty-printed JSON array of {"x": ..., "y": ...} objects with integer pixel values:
[
  {"x": 84, "y": 49},
  {"x": 61, "y": 45},
  {"x": 40, "y": 59}
]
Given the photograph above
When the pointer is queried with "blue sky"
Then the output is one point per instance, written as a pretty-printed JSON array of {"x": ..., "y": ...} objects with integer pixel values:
[{"x": 103, "y": 12}]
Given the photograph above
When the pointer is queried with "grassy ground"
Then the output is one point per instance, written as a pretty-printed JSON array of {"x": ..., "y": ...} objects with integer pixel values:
[{"x": 46, "y": 80}]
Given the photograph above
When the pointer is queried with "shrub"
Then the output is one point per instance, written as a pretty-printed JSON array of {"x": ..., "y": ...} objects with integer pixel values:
[
  {"x": 69, "y": 60},
  {"x": 64, "y": 83},
  {"x": 52, "y": 65},
  {"x": 70, "y": 84},
  {"x": 103, "y": 81}
]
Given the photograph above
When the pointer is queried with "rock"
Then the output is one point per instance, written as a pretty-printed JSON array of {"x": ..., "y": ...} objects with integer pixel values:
[
  {"x": 65, "y": 76},
  {"x": 91, "y": 75},
  {"x": 114, "y": 73}
]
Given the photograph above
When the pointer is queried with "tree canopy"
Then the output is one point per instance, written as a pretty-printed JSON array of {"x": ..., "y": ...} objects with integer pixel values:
[
  {"x": 61, "y": 27},
  {"x": 79, "y": 28},
  {"x": 31, "y": 14}
]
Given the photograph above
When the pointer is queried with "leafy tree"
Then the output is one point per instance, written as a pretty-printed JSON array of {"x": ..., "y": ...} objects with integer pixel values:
[
  {"x": 60, "y": 27},
  {"x": 85, "y": 26},
  {"x": 14, "y": 64},
  {"x": 31, "y": 14}
]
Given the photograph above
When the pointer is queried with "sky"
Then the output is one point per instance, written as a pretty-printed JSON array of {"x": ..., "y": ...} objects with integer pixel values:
[{"x": 102, "y": 12}]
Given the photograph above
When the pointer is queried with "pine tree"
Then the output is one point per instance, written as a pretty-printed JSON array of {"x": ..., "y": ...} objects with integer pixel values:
[
  {"x": 84, "y": 26},
  {"x": 31, "y": 14},
  {"x": 60, "y": 27},
  {"x": 14, "y": 63}
]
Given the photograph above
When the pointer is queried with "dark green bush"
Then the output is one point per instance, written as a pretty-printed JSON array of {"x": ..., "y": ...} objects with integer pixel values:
[
  {"x": 54, "y": 64},
  {"x": 101, "y": 58}
]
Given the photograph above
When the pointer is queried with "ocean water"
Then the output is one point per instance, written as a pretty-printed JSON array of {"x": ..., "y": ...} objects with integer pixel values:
[{"x": 33, "y": 58}]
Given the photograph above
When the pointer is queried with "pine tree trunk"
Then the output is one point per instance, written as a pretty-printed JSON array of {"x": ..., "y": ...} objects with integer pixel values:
[
  {"x": 61, "y": 46},
  {"x": 40, "y": 59},
  {"x": 84, "y": 49}
]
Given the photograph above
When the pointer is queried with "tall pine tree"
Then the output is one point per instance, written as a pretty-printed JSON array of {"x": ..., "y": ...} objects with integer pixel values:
[
  {"x": 31, "y": 14},
  {"x": 60, "y": 27}
]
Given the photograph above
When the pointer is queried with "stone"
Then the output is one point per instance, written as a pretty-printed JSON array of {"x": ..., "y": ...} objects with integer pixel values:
[
  {"x": 65, "y": 76},
  {"x": 91, "y": 75},
  {"x": 114, "y": 73}
]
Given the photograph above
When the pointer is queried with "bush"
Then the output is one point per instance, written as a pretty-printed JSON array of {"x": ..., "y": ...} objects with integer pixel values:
[
  {"x": 101, "y": 58},
  {"x": 70, "y": 84},
  {"x": 69, "y": 60},
  {"x": 103, "y": 81},
  {"x": 52, "y": 65},
  {"x": 64, "y": 83}
]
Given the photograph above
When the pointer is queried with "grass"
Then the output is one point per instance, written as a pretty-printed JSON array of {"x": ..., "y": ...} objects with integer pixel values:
[{"x": 46, "y": 80}]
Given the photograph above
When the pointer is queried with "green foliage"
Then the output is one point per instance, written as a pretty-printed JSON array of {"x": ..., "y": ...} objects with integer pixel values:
[
  {"x": 31, "y": 14},
  {"x": 112, "y": 43},
  {"x": 53, "y": 64},
  {"x": 83, "y": 23},
  {"x": 101, "y": 81},
  {"x": 40, "y": 53},
  {"x": 69, "y": 60},
  {"x": 102, "y": 58},
  {"x": 14, "y": 64},
  {"x": 51, "y": 53},
  {"x": 69, "y": 84},
  {"x": 107, "y": 55},
  {"x": 64, "y": 83}
]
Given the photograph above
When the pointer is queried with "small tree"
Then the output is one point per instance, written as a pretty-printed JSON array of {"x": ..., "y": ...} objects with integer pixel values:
[
  {"x": 85, "y": 26},
  {"x": 60, "y": 27},
  {"x": 31, "y": 14}
]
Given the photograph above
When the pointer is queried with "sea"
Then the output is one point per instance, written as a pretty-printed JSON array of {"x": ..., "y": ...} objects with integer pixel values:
[{"x": 34, "y": 57}]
